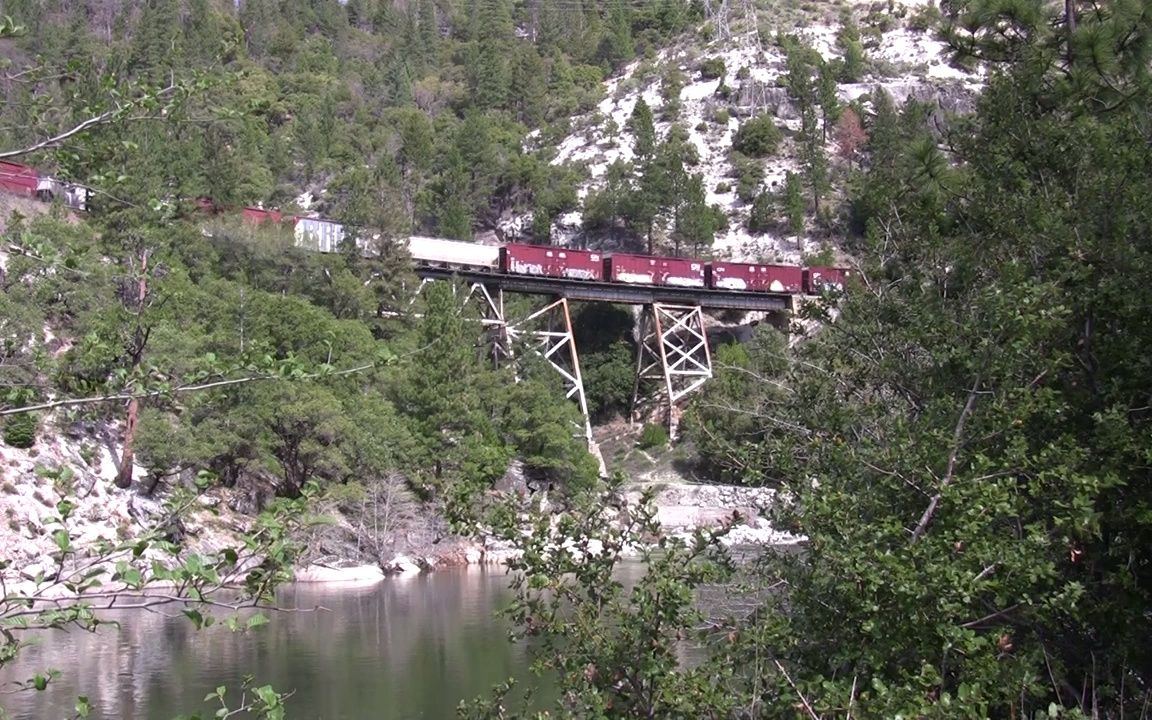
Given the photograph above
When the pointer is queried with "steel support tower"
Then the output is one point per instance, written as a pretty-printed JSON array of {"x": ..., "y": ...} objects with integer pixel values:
[{"x": 672, "y": 359}]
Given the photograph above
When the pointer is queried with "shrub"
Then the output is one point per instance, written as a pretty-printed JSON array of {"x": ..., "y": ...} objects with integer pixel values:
[
  {"x": 712, "y": 68},
  {"x": 653, "y": 435},
  {"x": 723, "y": 187},
  {"x": 758, "y": 137},
  {"x": 749, "y": 176},
  {"x": 720, "y": 116},
  {"x": 743, "y": 73},
  {"x": 701, "y": 127},
  {"x": 762, "y": 216},
  {"x": 924, "y": 18},
  {"x": 20, "y": 430}
]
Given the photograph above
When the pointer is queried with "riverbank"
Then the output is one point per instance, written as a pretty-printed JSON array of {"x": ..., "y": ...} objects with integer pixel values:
[
  {"x": 681, "y": 509},
  {"x": 79, "y": 468}
]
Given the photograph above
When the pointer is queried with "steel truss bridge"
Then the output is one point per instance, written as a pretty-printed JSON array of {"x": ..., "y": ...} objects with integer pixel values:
[{"x": 673, "y": 358}]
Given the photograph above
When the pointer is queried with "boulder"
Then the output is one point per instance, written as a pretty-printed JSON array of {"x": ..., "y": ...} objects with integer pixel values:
[
  {"x": 402, "y": 565},
  {"x": 323, "y": 573}
]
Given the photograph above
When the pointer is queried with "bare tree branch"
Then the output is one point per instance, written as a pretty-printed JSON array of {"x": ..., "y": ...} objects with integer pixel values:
[
  {"x": 117, "y": 397},
  {"x": 950, "y": 473},
  {"x": 103, "y": 118}
]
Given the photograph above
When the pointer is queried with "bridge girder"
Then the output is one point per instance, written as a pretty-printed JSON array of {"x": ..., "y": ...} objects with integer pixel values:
[
  {"x": 673, "y": 358},
  {"x": 672, "y": 353}
]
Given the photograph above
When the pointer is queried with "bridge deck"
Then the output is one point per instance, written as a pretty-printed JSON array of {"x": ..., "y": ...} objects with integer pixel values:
[{"x": 616, "y": 292}]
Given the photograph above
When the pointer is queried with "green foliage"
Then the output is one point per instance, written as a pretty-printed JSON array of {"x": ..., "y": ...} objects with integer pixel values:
[
  {"x": 924, "y": 18},
  {"x": 712, "y": 68},
  {"x": 653, "y": 435},
  {"x": 724, "y": 421},
  {"x": 762, "y": 217},
  {"x": 749, "y": 176},
  {"x": 853, "y": 66},
  {"x": 643, "y": 129},
  {"x": 793, "y": 208},
  {"x": 20, "y": 430},
  {"x": 615, "y": 650},
  {"x": 758, "y": 137}
]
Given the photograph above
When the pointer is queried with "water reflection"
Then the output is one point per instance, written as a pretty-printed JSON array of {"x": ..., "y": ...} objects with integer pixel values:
[{"x": 404, "y": 648}]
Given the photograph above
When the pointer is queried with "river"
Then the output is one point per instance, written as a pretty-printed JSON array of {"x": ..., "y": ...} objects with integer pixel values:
[{"x": 403, "y": 648}]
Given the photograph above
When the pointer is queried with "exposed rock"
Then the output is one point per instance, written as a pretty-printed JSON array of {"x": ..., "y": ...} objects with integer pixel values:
[
  {"x": 326, "y": 574},
  {"x": 402, "y": 565}
]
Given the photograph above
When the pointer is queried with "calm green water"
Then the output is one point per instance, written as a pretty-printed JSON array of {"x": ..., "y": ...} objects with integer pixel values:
[{"x": 402, "y": 648}]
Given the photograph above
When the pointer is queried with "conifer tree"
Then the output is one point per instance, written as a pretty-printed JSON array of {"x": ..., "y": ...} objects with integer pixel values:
[
  {"x": 643, "y": 129},
  {"x": 617, "y": 48},
  {"x": 491, "y": 75},
  {"x": 848, "y": 40}
]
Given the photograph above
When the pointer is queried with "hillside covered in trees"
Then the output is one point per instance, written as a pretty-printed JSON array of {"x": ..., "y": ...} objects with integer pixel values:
[
  {"x": 410, "y": 116},
  {"x": 964, "y": 444}
]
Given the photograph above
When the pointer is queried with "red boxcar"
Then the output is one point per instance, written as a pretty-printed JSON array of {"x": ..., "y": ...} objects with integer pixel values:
[
  {"x": 755, "y": 278},
  {"x": 17, "y": 178},
  {"x": 260, "y": 215},
  {"x": 819, "y": 279},
  {"x": 649, "y": 270},
  {"x": 551, "y": 262}
]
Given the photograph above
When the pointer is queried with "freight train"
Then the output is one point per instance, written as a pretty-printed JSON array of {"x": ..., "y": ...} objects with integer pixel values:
[
  {"x": 25, "y": 180},
  {"x": 571, "y": 264},
  {"x": 324, "y": 235},
  {"x": 616, "y": 267}
]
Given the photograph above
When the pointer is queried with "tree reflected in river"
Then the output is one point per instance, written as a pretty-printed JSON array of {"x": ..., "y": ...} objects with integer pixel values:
[{"x": 403, "y": 648}]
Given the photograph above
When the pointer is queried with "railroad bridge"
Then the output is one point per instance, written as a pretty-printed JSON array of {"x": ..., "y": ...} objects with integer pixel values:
[{"x": 673, "y": 356}]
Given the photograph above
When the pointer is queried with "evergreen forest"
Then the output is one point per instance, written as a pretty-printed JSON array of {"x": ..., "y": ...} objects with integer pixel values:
[{"x": 963, "y": 439}]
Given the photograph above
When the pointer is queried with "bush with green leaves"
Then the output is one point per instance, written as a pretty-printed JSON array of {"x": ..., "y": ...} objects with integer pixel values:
[
  {"x": 20, "y": 430},
  {"x": 712, "y": 68},
  {"x": 758, "y": 137},
  {"x": 652, "y": 435}
]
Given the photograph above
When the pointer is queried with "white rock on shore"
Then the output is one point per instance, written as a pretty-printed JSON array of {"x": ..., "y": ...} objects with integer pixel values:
[
  {"x": 360, "y": 574},
  {"x": 402, "y": 565}
]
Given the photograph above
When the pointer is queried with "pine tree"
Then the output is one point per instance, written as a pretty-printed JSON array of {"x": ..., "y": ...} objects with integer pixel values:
[
  {"x": 616, "y": 47},
  {"x": 794, "y": 208},
  {"x": 696, "y": 221},
  {"x": 530, "y": 79},
  {"x": 157, "y": 46},
  {"x": 643, "y": 129},
  {"x": 848, "y": 40},
  {"x": 429, "y": 31},
  {"x": 491, "y": 74},
  {"x": 828, "y": 99}
]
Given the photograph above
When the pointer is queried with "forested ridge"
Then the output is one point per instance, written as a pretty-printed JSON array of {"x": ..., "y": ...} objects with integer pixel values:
[
  {"x": 412, "y": 115},
  {"x": 965, "y": 447},
  {"x": 963, "y": 444}
]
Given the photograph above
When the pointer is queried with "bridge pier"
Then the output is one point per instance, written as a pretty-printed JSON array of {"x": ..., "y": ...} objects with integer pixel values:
[
  {"x": 547, "y": 332},
  {"x": 672, "y": 359}
]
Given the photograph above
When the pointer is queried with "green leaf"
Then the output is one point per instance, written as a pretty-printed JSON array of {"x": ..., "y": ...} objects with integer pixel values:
[
  {"x": 267, "y": 696},
  {"x": 63, "y": 540},
  {"x": 65, "y": 508},
  {"x": 195, "y": 616}
]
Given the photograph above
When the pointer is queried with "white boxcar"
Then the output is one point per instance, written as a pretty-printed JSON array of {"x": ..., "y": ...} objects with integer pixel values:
[
  {"x": 453, "y": 253},
  {"x": 319, "y": 234}
]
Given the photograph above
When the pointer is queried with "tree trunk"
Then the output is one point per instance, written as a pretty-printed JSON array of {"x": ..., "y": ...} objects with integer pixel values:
[
  {"x": 124, "y": 473},
  {"x": 1070, "y": 25}
]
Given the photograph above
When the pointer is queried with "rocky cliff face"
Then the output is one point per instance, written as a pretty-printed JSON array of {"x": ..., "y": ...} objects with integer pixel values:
[
  {"x": 78, "y": 464},
  {"x": 902, "y": 57}
]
